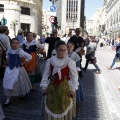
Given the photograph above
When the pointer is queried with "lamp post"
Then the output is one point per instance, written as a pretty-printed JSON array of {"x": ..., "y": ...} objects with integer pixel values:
[{"x": 73, "y": 23}]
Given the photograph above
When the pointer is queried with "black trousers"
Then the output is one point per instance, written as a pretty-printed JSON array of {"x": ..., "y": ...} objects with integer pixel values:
[{"x": 93, "y": 62}]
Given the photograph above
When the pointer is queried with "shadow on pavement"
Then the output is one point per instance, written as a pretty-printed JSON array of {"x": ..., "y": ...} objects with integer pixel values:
[{"x": 88, "y": 109}]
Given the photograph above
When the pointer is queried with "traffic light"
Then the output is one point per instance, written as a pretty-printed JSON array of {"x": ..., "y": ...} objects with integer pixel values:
[{"x": 55, "y": 21}]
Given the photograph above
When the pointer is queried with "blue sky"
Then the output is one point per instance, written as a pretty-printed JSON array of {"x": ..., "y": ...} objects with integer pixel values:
[{"x": 90, "y": 6}]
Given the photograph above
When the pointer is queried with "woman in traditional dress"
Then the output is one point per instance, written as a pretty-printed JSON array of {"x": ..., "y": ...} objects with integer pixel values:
[
  {"x": 59, "y": 84},
  {"x": 32, "y": 67},
  {"x": 74, "y": 56},
  {"x": 16, "y": 81}
]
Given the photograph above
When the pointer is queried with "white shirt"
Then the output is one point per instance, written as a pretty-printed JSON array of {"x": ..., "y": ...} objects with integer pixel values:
[
  {"x": 5, "y": 40},
  {"x": 58, "y": 65}
]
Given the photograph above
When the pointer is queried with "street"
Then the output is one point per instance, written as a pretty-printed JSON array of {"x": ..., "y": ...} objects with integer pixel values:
[{"x": 102, "y": 97}]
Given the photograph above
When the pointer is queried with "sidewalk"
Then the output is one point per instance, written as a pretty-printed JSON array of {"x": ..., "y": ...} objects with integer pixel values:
[{"x": 102, "y": 98}]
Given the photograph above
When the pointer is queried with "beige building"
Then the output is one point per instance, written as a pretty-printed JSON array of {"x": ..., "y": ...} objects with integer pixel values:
[
  {"x": 112, "y": 18},
  {"x": 25, "y": 14},
  {"x": 99, "y": 22},
  {"x": 89, "y": 27}
]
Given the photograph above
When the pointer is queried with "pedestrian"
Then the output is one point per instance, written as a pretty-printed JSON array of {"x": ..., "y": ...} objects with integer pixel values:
[
  {"x": 54, "y": 51},
  {"x": 3, "y": 63},
  {"x": 86, "y": 40},
  {"x": 102, "y": 43},
  {"x": 51, "y": 41},
  {"x": 20, "y": 36},
  {"x": 59, "y": 83},
  {"x": 32, "y": 67},
  {"x": 90, "y": 56},
  {"x": 42, "y": 39},
  {"x": 74, "y": 56},
  {"x": 4, "y": 40},
  {"x": 78, "y": 42},
  {"x": 2, "y": 116},
  {"x": 117, "y": 55},
  {"x": 16, "y": 81}
]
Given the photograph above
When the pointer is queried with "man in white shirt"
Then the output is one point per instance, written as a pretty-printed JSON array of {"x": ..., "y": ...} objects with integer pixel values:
[{"x": 4, "y": 40}]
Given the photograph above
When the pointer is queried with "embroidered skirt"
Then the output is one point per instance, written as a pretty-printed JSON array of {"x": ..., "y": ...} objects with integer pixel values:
[
  {"x": 21, "y": 86},
  {"x": 58, "y": 105},
  {"x": 35, "y": 76}
]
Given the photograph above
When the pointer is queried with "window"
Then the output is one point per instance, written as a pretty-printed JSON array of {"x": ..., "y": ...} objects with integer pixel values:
[
  {"x": 1, "y": 8},
  {"x": 25, "y": 11}
]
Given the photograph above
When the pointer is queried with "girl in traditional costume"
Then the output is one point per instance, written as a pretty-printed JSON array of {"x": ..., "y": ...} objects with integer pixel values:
[
  {"x": 74, "y": 56},
  {"x": 59, "y": 83},
  {"x": 32, "y": 67},
  {"x": 16, "y": 81}
]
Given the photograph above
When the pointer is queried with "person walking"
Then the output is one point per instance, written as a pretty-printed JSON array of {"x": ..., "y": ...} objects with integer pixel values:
[
  {"x": 90, "y": 56},
  {"x": 74, "y": 56},
  {"x": 78, "y": 41},
  {"x": 20, "y": 36},
  {"x": 59, "y": 84},
  {"x": 16, "y": 81},
  {"x": 117, "y": 55},
  {"x": 51, "y": 41},
  {"x": 4, "y": 40},
  {"x": 102, "y": 43},
  {"x": 32, "y": 67}
]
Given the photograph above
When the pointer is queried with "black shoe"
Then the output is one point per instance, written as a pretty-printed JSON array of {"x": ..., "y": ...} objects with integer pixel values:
[{"x": 6, "y": 104}]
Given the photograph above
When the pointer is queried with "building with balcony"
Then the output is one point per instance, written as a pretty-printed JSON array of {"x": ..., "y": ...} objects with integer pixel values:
[
  {"x": 69, "y": 15},
  {"x": 112, "y": 18},
  {"x": 25, "y": 14}
]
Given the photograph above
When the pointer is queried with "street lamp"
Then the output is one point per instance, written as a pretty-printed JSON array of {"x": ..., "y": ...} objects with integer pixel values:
[{"x": 73, "y": 22}]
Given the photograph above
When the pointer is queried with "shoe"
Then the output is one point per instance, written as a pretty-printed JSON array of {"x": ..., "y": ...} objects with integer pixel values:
[
  {"x": 6, "y": 104},
  {"x": 98, "y": 72},
  {"x": 109, "y": 68}
]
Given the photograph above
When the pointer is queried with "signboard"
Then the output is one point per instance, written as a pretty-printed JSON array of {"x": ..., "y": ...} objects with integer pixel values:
[
  {"x": 51, "y": 19},
  {"x": 52, "y": 8},
  {"x": 3, "y": 21}
]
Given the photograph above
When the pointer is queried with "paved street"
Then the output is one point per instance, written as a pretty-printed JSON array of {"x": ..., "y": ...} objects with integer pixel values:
[{"x": 102, "y": 98}]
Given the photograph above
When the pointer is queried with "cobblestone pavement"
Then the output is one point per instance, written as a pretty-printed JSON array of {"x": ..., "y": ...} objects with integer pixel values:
[{"x": 102, "y": 98}]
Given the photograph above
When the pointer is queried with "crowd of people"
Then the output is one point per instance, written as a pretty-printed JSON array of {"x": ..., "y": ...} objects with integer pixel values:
[{"x": 61, "y": 81}]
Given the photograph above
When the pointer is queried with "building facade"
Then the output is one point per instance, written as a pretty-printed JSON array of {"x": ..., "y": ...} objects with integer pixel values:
[
  {"x": 69, "y": 14},
  {"x": 25, "y": 14},
  {"x": 89, "y": 27},
  {"x": 112, "y": 18}
]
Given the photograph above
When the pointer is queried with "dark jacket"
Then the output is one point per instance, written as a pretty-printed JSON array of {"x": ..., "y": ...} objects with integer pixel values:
[
  {"x": 87, "y": 41},
  {"x": 77, "y": 41},
  {"x": 51, "y": 42}
]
